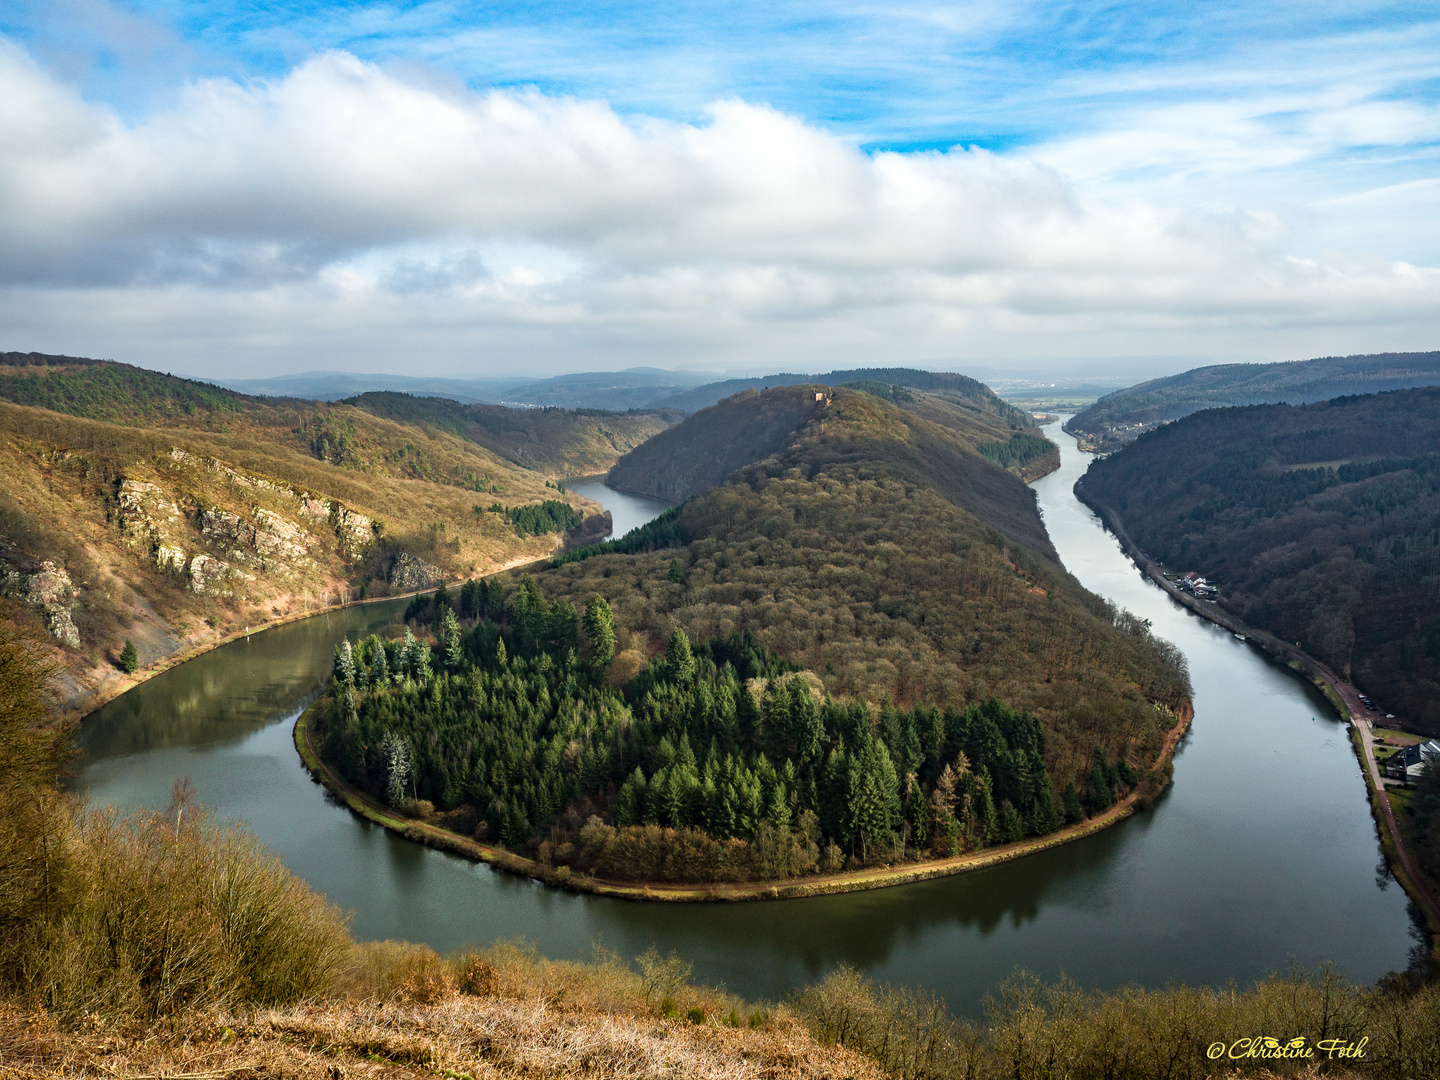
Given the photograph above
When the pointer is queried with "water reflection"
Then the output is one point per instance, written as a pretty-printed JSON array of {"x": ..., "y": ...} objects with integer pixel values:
[
  {"x": 626, "y": 511},
  {"x": 1262, "y": 852}
]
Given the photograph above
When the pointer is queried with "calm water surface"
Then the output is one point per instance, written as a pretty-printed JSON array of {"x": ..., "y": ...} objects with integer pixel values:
[
  {"x": 1261, "y": 854},
  {"x": 626, "y": 511}
]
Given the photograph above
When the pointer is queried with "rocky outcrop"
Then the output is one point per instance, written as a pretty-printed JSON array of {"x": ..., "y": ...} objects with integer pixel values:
[
  {"x": 356, "y": 531},
  {"x": 278, "y": 538},
  {"x": 53, "y": 593},
  {"x": 151, "y": 521},
  {"x": 210, "y": 576},
  {"x": 237, "y": 542},
  {"x": 408, "y": 573}
]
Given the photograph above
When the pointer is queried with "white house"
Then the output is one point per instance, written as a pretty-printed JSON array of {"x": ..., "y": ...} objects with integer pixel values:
[{"x": 1409, "y": 763}]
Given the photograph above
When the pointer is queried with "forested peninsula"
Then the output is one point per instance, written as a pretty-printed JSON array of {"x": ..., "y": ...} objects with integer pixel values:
[{"x": 855, "y": 648}]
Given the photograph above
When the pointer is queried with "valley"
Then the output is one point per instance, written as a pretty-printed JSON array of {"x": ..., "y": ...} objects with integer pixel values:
[{"x": 173, "y": 515}]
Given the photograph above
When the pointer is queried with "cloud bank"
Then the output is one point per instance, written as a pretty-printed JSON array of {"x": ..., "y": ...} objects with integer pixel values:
[{"x": 344, "y": 211}]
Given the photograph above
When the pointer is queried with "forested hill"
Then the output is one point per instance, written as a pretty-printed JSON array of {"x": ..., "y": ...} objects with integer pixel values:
[
  {"x": 1117, "y": 418},
  {"x": 698, "y": 454},
  {"x": 1319, "y": 522},
  {"x": 959, "y": 388},
  {"x": 555, "y": 441},
  {"x": 749, "y": 426},
  {"x": 880, "y": 551}
]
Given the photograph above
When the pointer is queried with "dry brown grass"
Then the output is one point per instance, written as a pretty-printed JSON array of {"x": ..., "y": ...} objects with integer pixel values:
[{"x": 525, "y": 1018}]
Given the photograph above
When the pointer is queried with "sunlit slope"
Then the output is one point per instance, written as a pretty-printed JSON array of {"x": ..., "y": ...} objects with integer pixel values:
[
  {"x": 138, "y": 506},
  {"x": 375, "y": 433},
  {"x": 881, "y": 551},
  {"x": 751, "y": 425}
]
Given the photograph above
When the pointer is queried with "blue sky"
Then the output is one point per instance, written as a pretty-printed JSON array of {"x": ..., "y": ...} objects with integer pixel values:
[{"x": 1284, "y": 141}]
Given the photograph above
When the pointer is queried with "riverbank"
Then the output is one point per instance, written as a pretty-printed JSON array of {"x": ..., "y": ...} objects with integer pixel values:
[
  {"x": 1343, "y": 696},
  {"x": 796, "y": 888},
  {"x": 80, "y": 709}
]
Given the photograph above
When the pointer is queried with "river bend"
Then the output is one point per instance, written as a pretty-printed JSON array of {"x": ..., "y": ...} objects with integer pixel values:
[{"x": 1261, "y": 855}]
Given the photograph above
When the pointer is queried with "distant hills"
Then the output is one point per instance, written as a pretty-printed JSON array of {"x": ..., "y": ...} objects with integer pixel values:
[
  {"x": 1117, "y": 418},
  {"x": 619, "y": 391}
]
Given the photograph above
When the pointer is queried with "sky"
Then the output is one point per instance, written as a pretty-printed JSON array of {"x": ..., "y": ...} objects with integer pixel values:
[{"x": 239, "y": 189}]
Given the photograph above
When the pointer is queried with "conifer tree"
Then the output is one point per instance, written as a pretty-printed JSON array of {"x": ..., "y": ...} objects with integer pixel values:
[
  {"x": 344, "y": 666},
  {"x": 454, "y": 646},
  {"x": 129, "y": 658},
  {"x": 397, "y": 767},
  {"x": 680, "y": 658},
  {"x": 600, "y": 631}
]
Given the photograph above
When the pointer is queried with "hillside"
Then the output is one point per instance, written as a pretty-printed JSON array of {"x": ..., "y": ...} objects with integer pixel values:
[
  {"x": 1119, "y": 417},
  {"x": 880, "y": 551},
  {"x": 712, "y": 444},
  {"x": 143, "y": 507},
  {"x": 1320, "y": 523},
  {"x": 555, "y": 441},
  {"x": 750, "y": 426}
]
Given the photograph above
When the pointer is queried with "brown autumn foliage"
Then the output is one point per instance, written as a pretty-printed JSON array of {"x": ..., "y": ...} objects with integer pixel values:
[{"x": 879, "y": 550}]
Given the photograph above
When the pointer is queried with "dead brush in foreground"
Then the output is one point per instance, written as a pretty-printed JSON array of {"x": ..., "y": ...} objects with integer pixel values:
[{"x": 407, "y": 1014}]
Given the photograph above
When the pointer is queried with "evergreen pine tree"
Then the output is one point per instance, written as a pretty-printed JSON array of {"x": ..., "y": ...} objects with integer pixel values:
[
  {"x": 986, "y": 822},
  {"x": 454, "y": 646},
  {"x": 600, "y": 631},
  {"x": 1073, "y": 811},
  {"x": 129, "y": 659},
  {"x": 344, "y": 666},
  {"x": 1011, "y": 829},
  {"x": 679, "y": 657}
]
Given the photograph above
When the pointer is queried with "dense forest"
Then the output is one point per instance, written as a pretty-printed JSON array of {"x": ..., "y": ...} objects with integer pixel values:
[
  {"x": 717, "y": 761},
  {"x": 1116, "y": 418},
  {"x": 1320, "y": 523},
  {"x": 884, "y": 553}
]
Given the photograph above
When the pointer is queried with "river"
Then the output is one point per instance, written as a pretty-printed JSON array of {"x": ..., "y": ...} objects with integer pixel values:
[{"x": 1261, "y": 855}]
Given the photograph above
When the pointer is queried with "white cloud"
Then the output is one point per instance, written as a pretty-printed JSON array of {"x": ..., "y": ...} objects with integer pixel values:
[{"x": 342, "y": 207}]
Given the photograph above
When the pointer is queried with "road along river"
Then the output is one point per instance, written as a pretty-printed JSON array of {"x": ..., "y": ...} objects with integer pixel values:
[{"x": 1262, "y": 854}]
